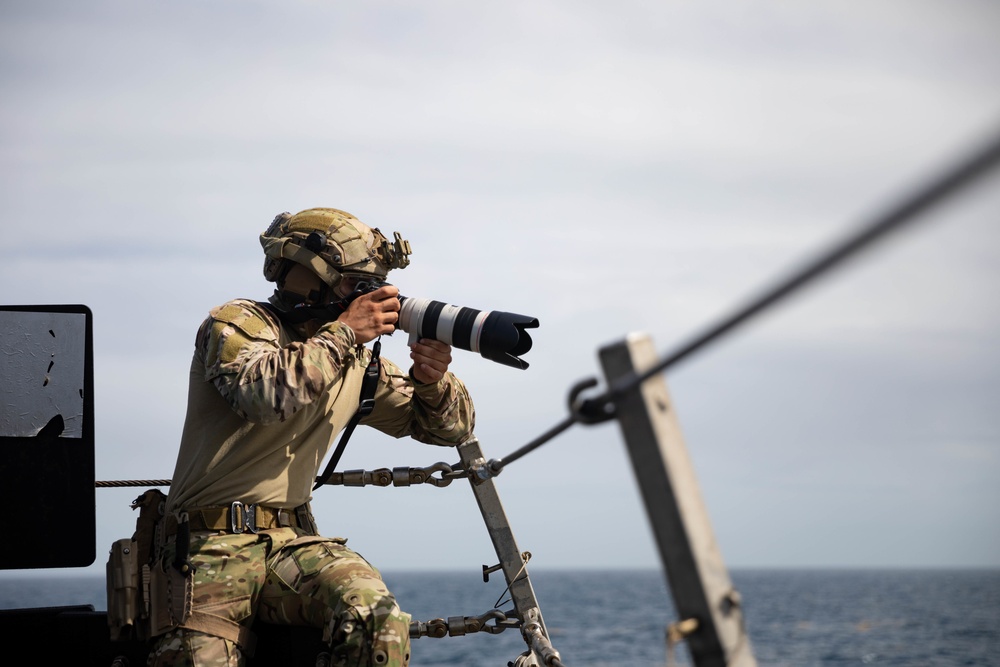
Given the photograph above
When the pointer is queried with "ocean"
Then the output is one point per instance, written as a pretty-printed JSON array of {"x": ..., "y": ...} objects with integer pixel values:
[{"x": 795, "y": 618}]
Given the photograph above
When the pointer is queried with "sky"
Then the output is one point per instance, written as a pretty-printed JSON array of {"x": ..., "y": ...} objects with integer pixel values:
[{"x": 608, "y": 168}]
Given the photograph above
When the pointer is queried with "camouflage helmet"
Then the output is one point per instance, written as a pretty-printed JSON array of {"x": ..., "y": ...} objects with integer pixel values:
[{"x": 330, "y": 243}]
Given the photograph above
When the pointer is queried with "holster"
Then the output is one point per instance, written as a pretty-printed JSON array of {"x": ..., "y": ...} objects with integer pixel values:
[
  {"x": 124, "y": 594},
  {"x": 171, "y": 593},
  {"x": 129, "y": 571}
]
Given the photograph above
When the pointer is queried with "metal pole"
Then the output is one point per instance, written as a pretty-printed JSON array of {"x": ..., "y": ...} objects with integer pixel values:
[
  {"x": 708, "y": 605},
  {"x": 513, "y": 565}
]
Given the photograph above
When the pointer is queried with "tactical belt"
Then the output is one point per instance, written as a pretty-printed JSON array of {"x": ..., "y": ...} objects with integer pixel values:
[{"x": 242, "y": 518}]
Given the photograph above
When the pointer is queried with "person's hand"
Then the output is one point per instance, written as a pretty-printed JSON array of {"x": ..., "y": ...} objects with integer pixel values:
[
  {"x": 430, "y": 360},
  {"x": 372, "y": 315}
]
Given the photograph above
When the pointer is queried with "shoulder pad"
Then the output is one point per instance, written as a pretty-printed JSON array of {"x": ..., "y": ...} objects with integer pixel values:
[{"x": 246, "y": 316}]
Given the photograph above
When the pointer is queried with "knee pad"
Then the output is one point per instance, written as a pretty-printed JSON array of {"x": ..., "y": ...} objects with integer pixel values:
[{"x": 370, "y": 635}]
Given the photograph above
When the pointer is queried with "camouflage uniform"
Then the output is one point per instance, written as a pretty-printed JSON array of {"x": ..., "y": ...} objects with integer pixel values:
[{"x": 265, "y": 402}]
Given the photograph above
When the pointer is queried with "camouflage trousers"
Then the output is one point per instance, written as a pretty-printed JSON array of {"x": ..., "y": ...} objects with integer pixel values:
[{"x": 279, "y": 576}]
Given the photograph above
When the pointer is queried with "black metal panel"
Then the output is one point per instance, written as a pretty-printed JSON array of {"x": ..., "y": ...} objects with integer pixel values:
[{"x": 47, "y": 476}]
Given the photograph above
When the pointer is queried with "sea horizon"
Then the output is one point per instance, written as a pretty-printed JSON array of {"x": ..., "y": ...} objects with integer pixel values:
[{"x": 794, "y": 617}]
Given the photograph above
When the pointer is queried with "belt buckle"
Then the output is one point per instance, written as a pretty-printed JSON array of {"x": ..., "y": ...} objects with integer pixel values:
[{"x": 243, "y": 517}]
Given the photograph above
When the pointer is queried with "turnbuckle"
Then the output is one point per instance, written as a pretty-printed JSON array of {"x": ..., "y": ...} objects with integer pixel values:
[
  {"x": 458, "y": 626},
  {"x": 402, "y": 476},
  {"x": 408, "y": 476}
]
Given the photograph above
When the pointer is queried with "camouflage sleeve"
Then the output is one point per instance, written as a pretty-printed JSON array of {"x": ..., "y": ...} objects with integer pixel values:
[
  {"x": 439, "y": 414},
  {"x": 261, "y": 380}
]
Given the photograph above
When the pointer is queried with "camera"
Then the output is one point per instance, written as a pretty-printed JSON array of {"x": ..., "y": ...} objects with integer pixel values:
[{"x": 495, "y": 335}]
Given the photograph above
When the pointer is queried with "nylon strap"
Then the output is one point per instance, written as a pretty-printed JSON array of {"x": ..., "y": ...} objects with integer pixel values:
[
  {"x": 222, "y": 627},
  {"x": 366, "y": 403}
]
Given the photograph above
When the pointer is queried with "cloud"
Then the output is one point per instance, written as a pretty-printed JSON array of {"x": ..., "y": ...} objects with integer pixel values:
[{"x": 646, "y": 168}]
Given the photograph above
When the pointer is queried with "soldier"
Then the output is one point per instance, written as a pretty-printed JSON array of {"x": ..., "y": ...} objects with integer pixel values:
[{"x": 270, "y": 387}]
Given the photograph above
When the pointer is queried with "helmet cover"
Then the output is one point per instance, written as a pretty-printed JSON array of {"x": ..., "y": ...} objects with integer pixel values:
[{"x": 330, "y": 243}]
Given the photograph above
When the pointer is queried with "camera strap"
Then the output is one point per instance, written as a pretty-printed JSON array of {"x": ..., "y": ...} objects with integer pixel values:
[{"x": 366, "y": 403}]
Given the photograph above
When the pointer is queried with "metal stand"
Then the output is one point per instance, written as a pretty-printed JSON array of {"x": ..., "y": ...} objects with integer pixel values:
[
  {"x": 512, "y": 562},
  {"x": 711, "y": 619}
]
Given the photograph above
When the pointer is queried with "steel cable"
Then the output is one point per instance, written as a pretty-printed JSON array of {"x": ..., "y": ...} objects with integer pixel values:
[{"x": 602, "y": 407}]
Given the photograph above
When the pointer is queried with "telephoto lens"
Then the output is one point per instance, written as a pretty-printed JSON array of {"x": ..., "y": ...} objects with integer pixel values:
[{"x": 494, "y": 334}]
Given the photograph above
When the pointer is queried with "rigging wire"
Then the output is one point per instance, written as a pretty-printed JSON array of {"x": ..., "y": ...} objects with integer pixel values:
[
  {"x": 100, "y": 484},
  {"x": 602, "y": 407}
]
